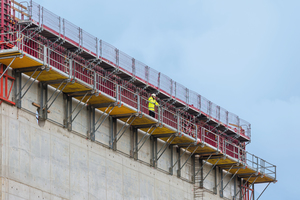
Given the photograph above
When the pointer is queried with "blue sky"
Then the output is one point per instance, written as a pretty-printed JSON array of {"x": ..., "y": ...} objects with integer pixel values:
[{"x": 242, "y": 55}]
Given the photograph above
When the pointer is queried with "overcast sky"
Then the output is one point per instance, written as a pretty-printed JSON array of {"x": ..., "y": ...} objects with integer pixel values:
[{"x": 242, "y": 55}]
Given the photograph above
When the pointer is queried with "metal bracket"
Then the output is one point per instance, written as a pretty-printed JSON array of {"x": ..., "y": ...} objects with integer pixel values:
[
  {"x": 211, "y": 169},
  {"x": 137, "y": 148},
  {"x": 165, "y": 146},
  {"x": 92, "y": 134},
  {"x": 59, "y": 44},
  {"x": 35, "y": 32},
  {"x": 97, "y": 61},
  {"x": 215, "y": 188},
  {"x": 19, "y": 95},
  {"x": 69, "y": 118},
  {"x": 67, "y": 81},
  {"x": 112, "y": 73},
  {"x": 222, "y": 189},
  {"x": 189, "y": 157},
  {"x": 8, "y": 66},
  {"x": 203, "y": 165},
  {"x": 181, "y": 155},
  {"x": 263, "y": 191},
  {"x": 128, "y": 123},
  {"x": 130, "y": 81}
]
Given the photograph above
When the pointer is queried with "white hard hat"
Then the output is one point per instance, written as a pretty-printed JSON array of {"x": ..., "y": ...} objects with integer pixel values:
[{"x": 154, "y": 95}]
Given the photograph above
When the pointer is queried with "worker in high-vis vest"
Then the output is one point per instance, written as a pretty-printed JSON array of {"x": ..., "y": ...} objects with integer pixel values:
[{"x": 151, "y": 105}]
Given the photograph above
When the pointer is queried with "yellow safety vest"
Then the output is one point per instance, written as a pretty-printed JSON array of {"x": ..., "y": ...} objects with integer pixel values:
[{"x": 151, "y": 103}]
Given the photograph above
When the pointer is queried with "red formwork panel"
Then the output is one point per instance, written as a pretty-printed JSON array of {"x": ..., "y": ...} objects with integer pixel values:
[
  {"x": 169, "y": 117},
  {"x": 106, "y": 86},
  {"x": 128, "y": 96},
  {"x": 210, "y": 138}
]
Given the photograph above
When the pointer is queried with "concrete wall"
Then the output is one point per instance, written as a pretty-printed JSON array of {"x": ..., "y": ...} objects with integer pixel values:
[{"x": 49, "y": 162}]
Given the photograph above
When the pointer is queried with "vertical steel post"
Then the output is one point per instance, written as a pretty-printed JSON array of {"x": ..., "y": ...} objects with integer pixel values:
[
  {"x": 113, "y": 133},
  {"x": 135, "y": 156},
  {"x": 171, "y": 88},
  {"x": 133, "y": 67},
  {"x": 201, "y": 173},
  {"x": 18, "y": 87},
  {"x": 193, "y": 168},
  {"x": 179, "y": 163},
  {"x": 199, "y": 102},
  {"x": 69, "y": 104},
  {"x": 147, "y": 74},
  {"x": 221, "y": 186},
  {"x": 215, "y": 178},
  {"x": 89, "y": 121},
  {"x": 64, "y": 29},
  {"x": 187, "y": 96},
  {"x": 97, "y": 47},
  {"x": 59, "y": 26},
  {"x": 100, "y": 44},
  {"x": 93, "y": 136},
  {"x": 171, "y": 160},
  {"x": 158, "y": 81},
  {"x": 132, "y": 130}
]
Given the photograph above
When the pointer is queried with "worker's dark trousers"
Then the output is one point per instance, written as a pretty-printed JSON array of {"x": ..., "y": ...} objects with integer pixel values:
[{"x": 152, "y": 113}]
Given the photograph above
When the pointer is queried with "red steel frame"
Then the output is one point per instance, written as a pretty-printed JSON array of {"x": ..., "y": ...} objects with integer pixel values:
[
  {"x": 5, "y": 90},
  {"x": 247, "y": 192}
]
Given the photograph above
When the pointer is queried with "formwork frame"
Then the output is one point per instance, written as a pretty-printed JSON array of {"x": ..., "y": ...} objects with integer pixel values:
[{"x": 109, "y": 107}]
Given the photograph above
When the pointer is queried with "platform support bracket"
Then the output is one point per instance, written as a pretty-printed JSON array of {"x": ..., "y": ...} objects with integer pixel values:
[
  {"x": 146, "y": 137},
  {"x": 165, "y": 146},
  {"x": 203, "y": 164},
  {"x": 107, "y": 112},
  {"x": 19, "y": 88},
  {"x": 209, "y": 171},
  {"x": 121, "y": 132},
  {"x": 222, "y": 189},
  {"x": 69, "y": 119},
  {"x": 189, "y": 157},
  {"x": 222, "y": 178},
  {"x": 263, "y": 191}
]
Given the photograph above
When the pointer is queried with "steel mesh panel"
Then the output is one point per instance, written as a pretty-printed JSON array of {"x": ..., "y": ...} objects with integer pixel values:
[
  {"x": 245, "y": 128},
  {"x": 140, "y": 70},
  {"x": 71, "y": 31},
  {"x": 223, "y": 116},
  {"x": 125, "y": 62},
  {"x": 51, "y": 20},
  {"x": 233, "y": 121},
  {"x": 153, "y": 77},
  {"x": 180, "y": 92},
  {"x": 214, "y": 111},
  {"x": 35, "y": 11},
  {"x": 204, "y": 105},
  {"x": 194, "y": 100},
  {"x": 109, "y": 52},
  {"x": 89, "y": 42},
  {"x": 165, "y": 83}
]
